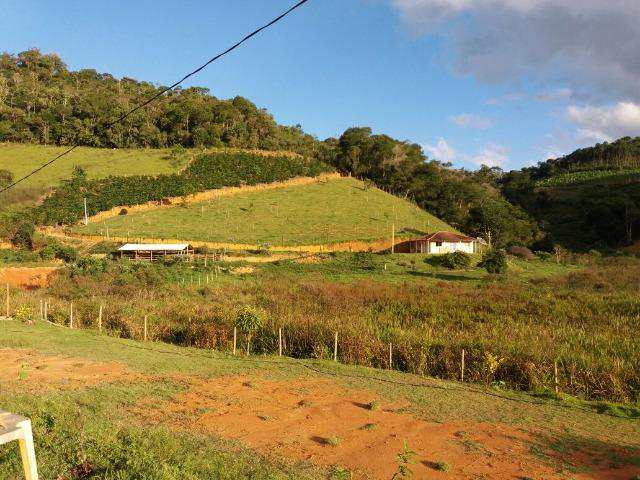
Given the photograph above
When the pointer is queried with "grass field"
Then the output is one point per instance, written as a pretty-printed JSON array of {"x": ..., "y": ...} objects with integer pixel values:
[
  {"x": 323, "y": 213},
  {"x": 109, "y": 408},
  {"x": 21, "y": 159}
]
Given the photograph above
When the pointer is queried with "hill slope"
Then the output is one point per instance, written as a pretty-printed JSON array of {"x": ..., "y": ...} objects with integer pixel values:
[
  {"x": 588, "y": 199},
  {"x": 20, "y": 159},
  {"x": 333, "y": 211}
]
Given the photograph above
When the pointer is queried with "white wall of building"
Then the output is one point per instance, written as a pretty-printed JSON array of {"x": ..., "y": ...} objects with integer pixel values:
[{"x": 450, "y": 247}]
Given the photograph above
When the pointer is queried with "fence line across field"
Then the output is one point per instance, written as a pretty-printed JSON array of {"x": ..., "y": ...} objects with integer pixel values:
[{"x": 145, "y": 333}]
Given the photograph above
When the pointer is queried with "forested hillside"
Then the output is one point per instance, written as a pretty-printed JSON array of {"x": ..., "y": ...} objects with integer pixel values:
[
  {"x": 588, "y": 199},
  {"x": 42, "y": 101}
]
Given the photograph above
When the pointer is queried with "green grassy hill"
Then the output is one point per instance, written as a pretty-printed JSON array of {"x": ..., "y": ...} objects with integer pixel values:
[
  {"x": 333, "y": 211},
  {"x": 20, "y": 159}
]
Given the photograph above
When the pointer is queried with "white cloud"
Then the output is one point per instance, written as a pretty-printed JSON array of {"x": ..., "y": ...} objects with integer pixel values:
[
  {"x": 471, "y": 120},
  {"x": 597, "y": 124},
  {"x": 587, "y": 45},
  {"x": 441, "y": 151},
  {"x": 492, "y": 156}
]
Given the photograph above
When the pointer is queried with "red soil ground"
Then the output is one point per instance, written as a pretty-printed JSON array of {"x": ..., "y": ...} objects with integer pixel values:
[
  {"x": 25, "y": 277},
  {"x": 298, "y": 420}
]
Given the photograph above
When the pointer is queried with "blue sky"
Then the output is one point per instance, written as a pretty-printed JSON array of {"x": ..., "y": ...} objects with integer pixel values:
[{"x": 408, "y": 68}]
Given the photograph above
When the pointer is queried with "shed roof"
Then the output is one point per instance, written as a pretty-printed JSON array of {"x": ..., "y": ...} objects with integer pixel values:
[
  {"x": 448, "y": 237},
  {"x": 154, "y": 247}
]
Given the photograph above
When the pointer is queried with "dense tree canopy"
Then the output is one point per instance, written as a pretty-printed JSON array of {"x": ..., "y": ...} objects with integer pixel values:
[{"x": 42, "y": 101}]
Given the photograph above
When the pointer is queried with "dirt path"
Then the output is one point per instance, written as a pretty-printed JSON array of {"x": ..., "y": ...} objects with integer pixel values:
[
  {"x": 39, "y": 372},
  {"x": 315, "y": 421},
  {"x": 26, "y": 277}
]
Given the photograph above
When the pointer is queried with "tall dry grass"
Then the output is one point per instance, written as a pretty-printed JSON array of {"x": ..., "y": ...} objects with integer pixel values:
[{"x": 512, "y": 332}]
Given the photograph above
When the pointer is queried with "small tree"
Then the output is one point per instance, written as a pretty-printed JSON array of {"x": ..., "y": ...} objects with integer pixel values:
[
  {"x": 494, "y": 261},
  {"x": 248, "y": 320}
]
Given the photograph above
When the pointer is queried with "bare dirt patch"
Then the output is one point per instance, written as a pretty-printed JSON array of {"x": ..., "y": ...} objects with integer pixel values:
[
  {"x": 40, "y": 372},
  {"x": 316, "y": 421},
  {"x": 26, "y": 277}
]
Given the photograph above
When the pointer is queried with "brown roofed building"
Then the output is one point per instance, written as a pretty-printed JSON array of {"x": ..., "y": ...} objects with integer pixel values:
[{"x": 440, "y": 242}]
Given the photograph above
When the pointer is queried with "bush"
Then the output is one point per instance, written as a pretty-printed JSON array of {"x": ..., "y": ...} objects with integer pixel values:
[
  {"x": 521, "y": 252},
  {"x": 453, "y": 261},
  {"x": 494, "y": 261}
]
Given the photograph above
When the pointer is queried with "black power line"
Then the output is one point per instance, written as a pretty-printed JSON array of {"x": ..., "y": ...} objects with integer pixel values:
[{"x": 163, "y": 91}]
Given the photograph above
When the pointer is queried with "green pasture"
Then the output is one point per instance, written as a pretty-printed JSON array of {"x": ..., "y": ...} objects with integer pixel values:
[{"x": 323, "y": 213}]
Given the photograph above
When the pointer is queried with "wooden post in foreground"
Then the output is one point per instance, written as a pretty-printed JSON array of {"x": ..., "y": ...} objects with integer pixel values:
[
  {"x": 235, "y": 339},
  {"x": 280, "y": 342},
  {"x": 462, "y": 366},
  {"x": 390, "y": 356},
  {"x": 46, "y": 313},
  {"x": 556, "y": 382},
  {"x": 71, "y": 315},
  {"x": 335, "y": 347},
  {"x": 100, "y": 318},
  {"x": 145, "y": 328}
]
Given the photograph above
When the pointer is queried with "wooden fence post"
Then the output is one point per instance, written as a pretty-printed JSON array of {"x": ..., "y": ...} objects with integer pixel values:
[
  {"x": 390, "y": 356},
  {"x": 462, "y": 366},
  {"x": 280, "y": 342},
  {"x": 100, "y": 319},
  {"x": 556, "y": 381},
  {"x": 335, "y": 347},
  {"x": 145, "y": 328},
  {"x": 46, "y": 313},
  {"x": 235, "y": 339}
]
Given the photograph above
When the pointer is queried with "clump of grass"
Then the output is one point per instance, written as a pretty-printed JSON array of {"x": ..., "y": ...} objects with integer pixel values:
[
  {"x": 374, "y": 405},
  {"x": 305, "y": 403},
  {"x": 442, "y": 466},
  {"x": 332, "y": 441},
  {"x": 369, "y": 426},
  {"x": 340, "y": 473}
]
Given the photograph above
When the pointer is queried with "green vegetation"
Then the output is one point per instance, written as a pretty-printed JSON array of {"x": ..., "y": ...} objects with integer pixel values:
[
  {"x": 468, "y": 201},
  {"x": 512, "y": 328},
  {"x": 328, "y": 212},
  {"x": 43, "y": 102},
  {"x": 590, "y": 198},
  {"x": 20, "y": 159},
  {"x": 575, "y": 178},
  {"x": 206, "y": 172}
]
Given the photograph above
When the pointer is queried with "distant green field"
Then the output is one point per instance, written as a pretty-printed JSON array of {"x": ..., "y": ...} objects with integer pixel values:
[
  {"x": 21, "y": 159},
  {"x": 576, "y": 178},
  {"x": 330, "y": 212}
]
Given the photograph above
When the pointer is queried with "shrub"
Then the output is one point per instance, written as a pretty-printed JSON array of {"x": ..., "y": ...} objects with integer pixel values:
[
  {"x": 494, "y": 261},
  {"x": 453, "y": 261},
  {"x": 521, "y": 252}
]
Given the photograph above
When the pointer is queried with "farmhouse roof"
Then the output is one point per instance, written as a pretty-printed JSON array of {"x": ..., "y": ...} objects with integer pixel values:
[
  {"x": 153, "y": 247},
  {"x": 448, "y": 237}
]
